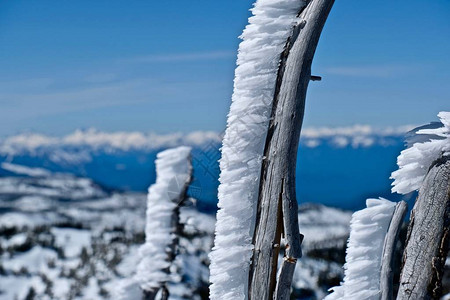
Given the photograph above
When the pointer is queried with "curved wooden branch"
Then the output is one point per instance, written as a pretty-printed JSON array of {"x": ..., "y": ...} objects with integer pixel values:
[
  {"x": 387, "y": 261},
  {"x": 277, "y": 211},
  {"x": 428, "y": 236}
]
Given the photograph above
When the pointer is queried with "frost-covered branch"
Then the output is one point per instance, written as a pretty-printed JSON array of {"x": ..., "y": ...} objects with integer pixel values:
[
  {"x": 368, "y": 229},
  {"x": 428, "y": 237},
  {"x": 173, "y": 169},
  {"x": 274, "y": 66},
  {"x": 426, "y": 145},
  {"x": 277, "y": 204},
  {"x": 387, "y": 260},
  {"x": 243, "y": 145},
  {"x": 425, "y": 166}
]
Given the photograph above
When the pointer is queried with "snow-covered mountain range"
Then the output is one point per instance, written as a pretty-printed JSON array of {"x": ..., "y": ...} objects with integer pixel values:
[
  {"x": 67, "y": 237},
  {"x": 355, "y": 162},
  {"x": 35, "y": 143}
]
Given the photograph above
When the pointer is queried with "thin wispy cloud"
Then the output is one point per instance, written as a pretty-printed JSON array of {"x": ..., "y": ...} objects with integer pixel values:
[
  {"x": 101, "y": 77},
  {"x": 181, "y": 57},
  {"x": 36, "y": 84},
  {"x": 31, "y": 103},
  {"x": 379, "y": 71}
]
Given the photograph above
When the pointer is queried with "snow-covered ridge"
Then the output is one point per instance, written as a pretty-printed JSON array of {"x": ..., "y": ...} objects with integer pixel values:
[
  {"x": 96, "y": 139},
  {"x": 35, "y": 204},
  {"x": 46, "y": 214},
  {"x": 368, "y": 229},
  {"x": 23, "y": 170},
  {"x": 354, "y": 136},
  {"x": 430, "y": 143}
]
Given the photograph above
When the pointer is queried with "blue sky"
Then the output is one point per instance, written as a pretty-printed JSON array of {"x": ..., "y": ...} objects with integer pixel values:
[{"x": 168, "y": 66}]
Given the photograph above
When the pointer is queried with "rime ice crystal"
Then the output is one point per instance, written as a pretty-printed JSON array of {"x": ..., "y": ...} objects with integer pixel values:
[
  {"x": 415, "y": 161},
  {"x": 368, "y": 229},
  {"x": 173, "y": 169},
  {"x": 127, "y": 289},
  {"x": 243, "y": 145}
]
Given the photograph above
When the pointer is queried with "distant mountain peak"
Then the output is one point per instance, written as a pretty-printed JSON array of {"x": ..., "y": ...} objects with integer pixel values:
[{"x": 354, "y": 136}]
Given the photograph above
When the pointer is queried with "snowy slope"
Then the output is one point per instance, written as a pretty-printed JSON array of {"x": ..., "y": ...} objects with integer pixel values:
[
  {"x": 83, "y": 247},
  {"x": 50, "y": 228}
]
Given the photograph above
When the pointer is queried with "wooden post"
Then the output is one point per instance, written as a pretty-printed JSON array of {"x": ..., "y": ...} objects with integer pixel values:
[
  {"x": 428, "y": 236},
  {"x": 277, "y": 212},
  {"x": 177, "y": 230},
  {"x": 164, "y": 293},
  {"x": 149, "y": 294},
  {"x": 387, "y": 261}
]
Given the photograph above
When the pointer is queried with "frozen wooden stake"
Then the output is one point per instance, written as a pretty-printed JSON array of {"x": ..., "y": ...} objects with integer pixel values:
[
  {"x": 162, "y": 229},
  {"x": 277, "y": 212},
  {"x": 387, "y": 261},
  {"x": 428, "y": 236}
]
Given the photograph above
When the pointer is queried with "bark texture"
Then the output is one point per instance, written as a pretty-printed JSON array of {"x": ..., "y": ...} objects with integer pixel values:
[
  {"x": 386, "y": 278},
  {"x": 277, "y": 212},
  {"x": 149, "y": 295},
  {"x": 428, "y": 236}
]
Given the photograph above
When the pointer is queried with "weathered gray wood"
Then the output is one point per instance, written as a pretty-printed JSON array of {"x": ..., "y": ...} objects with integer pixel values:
[
  {"x": 428, "y": 236},
  {"x": 284, "y": 280},
  {"x": 277, "y": 211},
  {"x": 149, "y": 294},
  {"x": 164, "y": 293},
  {"x": 283, "y": 289},
  {"x": 386, "y": 279}
]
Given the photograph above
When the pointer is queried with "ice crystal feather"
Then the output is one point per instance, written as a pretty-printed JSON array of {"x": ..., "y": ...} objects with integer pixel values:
[
  {"x": 429, "y": 143},
  {"x": 127, "y": 289},
  {"x": 368, "y": 229},
  {"x": 263, "y": 41},
  {"x": 173, "y": 169}
]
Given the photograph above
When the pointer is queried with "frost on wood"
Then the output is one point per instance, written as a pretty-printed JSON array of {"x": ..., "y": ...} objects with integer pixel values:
[
  {"x": 127, "y": 289},
  {"x": 368, "y": 229},
  {"x": 427, "y": 241},
  {"x": 243, "y": 145},
  {"x": 173, "y": 170},
  {"x": 429, "y": 144}
]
